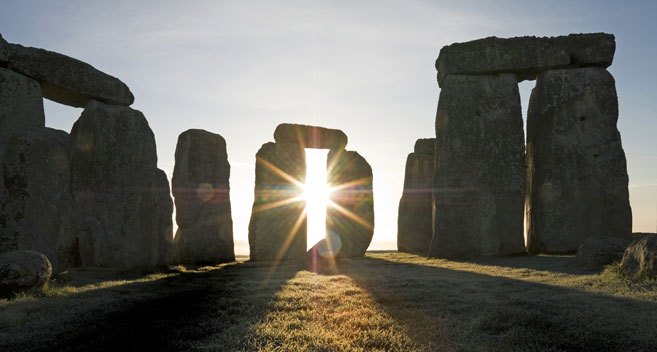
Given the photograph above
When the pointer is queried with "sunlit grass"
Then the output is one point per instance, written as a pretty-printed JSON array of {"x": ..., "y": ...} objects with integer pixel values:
[{"x": 384, "y": 302}]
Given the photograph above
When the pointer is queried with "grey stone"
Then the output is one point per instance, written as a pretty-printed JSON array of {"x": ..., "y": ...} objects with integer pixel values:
[
  {"x": 4, "y": 50},
  {"x": 596, "y": 252},
  {"x": 479, "y": 177},
  {"x": 123, "y": 198},
  {"x": 414, "y": 225},
  {"x": 352, "y": 215},
  {"x": 201, "y": 189},
  {"x": 36, "y": 207},
  {"x": 640, "y": 257},
  {"x": 23, "y": 271},
  {"x": 425, "y": 146},
  {"x": 321, "y": 257},
  {"x": 67, "y": 80},
  {"x": 525, "y": 56},
  {"x": 277, "y": 229},
  {"x": 310, "y": 136},
  {"x": 576, "y": 170}
]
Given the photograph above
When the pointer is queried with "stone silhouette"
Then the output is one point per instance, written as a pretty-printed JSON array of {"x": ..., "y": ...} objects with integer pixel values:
[
  {"x": 576, "y": 169},
  {"x": 479, "y": 172},
  {"x": 122, "y": 196},
  {"x": 277, "y": 230},
  {"x": 200, "y": 186},
  {"x": 414, "y": 227},
  {"x": 23, "y": 271},
  {"x": 352, "y": 214}
]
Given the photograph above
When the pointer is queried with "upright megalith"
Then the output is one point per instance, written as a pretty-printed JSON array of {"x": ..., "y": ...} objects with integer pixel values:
[
  {"x": 576, "y": 169},
  {"x": 4, "y": 50},
  {"x": 67, "y": 80},
  {"x": 525, "y": 56},
  {"x": 277, "y": 230},
  {"x": 414, "y": 227},
  {"x": 123, "y": 197},
  {"x": 36, "y": 207},
  {"x": 479, "y": 177},
  {"x": 201, "y": 189},
  {"x": 351, "y": 214}
]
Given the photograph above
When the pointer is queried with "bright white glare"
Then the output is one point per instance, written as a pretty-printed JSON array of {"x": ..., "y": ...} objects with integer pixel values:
[{"x": 316, "y": 193}]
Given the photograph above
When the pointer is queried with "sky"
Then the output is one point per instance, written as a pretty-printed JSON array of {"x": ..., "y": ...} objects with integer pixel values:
[{"x": 240, "y": 68}]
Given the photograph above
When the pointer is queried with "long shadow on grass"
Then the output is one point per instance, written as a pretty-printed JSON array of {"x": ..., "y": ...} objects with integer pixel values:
[
  {"x": 491, "y": 313},
  {"x": 168, "y": 314}
]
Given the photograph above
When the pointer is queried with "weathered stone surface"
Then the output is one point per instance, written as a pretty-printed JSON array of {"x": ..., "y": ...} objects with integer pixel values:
[
  {"x": 576, "y": 171},
  {"x": 21, "y": 109},
  {"x": 4, "y": 50},
  {"x": 310, "y": 136},
  {"x": 640, "y": 257},
  {"x": 23, "y": 271},
  {"x": 124, "y": 199},
  {"x": 201, "y": 190},
  {"x": 35, "y": 208},
  {"x": 525, "y": 56},
  {"x": 277, "y": 229},
  {"x": 352, "y": 216},
  {"x": 67, "y": 80},
  {"x": 321, "y": 258},
  {"x": 596, "y": 252},
  {"x": 479, "y": 179},
  {"x": 414, "y": 228},
  {"x": 425, "y": 146}
]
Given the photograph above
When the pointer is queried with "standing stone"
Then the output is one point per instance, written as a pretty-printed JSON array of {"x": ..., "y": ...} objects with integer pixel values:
[
  {"x": 352, "y": 214},
  {"x": 277, "y": 229},
  {"x": 414, "y": 226},
  {"x": 201, "y": 189},
  {"x": 123, "y": 197},
  {"x": 67, "y": 80},
  {"x": 36, "y": 206},
  {"x": 479, "y": 177},
  {"x": 4, "y": 50},
  {"x": 576, "y": 171},
  {"x": 23, "y": 271}
]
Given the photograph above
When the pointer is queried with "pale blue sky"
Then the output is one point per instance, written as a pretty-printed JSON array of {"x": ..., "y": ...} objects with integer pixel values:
[{"x": 239, "y": 68}]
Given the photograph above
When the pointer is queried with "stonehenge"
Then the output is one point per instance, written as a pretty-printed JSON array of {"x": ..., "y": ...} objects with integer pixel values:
[
  {"x": 94, "y": 197},
  {"x": 576, "y": 169},
  {"x": 201, "y": 191},
  {"x": 414, "y": 226},
  {"x": 278, "y": 226},
  {"x": 572, "y": 181}
]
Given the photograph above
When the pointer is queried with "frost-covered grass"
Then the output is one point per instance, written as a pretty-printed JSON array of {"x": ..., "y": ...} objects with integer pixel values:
[{"x": 386, "y": 301}]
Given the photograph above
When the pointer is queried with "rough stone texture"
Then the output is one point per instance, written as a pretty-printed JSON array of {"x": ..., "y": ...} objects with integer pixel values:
[
  {"x": 67, "y": 80},
  {"x": 576, "y": 171},
  {"x": 201, "y": 190},
  {"x": 414, "y": 228},
  {"x": 320, "y": 258},
  {"x": 640, "y": 257},
  {"x": 277, "y": 230},
  {"x": 23, "y": 271},
  {"x": 596, "y": 252},
  {"x": 310, "y": 136},
  {"x": 124, "y": 199},
  {"x": 353, "y": 218},
  {"x": 21, "y": 109},
  {"x": 36, "y": 207},
  {"x": 425, "y": 146},
  {"x": 479, "y": 178},
  {"x": 4, "y": 50},
  {"x": 525, "y": 56}
]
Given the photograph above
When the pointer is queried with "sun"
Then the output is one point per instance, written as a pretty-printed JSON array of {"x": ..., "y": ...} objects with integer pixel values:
[{"x": 316, "y": 194}]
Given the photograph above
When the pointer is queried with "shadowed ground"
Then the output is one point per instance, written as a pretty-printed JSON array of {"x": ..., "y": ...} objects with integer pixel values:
[{"x": 385, "y": 301}]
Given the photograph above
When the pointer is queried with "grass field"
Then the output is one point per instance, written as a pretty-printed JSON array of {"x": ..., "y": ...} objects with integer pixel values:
[{"x": 383, "y": 302}]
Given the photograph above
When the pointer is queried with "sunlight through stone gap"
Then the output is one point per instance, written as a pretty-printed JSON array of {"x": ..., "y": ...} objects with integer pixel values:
[{"x": 316, "y": 194}]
